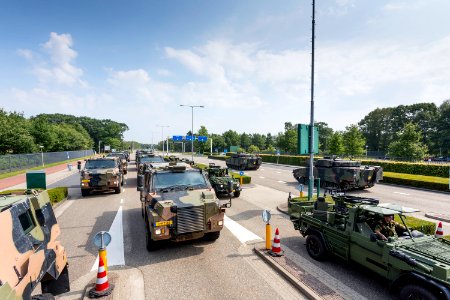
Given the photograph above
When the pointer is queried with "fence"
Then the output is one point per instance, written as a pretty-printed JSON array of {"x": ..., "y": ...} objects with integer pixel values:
[{"x": 17, "y": 162}]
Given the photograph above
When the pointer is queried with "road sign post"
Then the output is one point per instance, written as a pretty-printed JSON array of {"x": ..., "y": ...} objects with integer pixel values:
[
  {"x": 102, "y": 240},
  {"x": 266, "y": 218},
  {"x": 241, "y": 173}
]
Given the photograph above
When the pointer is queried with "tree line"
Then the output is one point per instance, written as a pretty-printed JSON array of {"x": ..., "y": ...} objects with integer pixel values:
[{"x": 56, "y": 132}]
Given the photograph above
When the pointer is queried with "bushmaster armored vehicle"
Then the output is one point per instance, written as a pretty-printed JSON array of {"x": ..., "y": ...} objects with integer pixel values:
[
  {"x": 222, "y": 182},
  {"x": 123, "y": 159},
  {"x": 101, "y": 174},
  {"x": 417, "y": 265},
  {"x": 30, "y": 252},
  {"x": 152, "y": 159},
  {"x": 243, "y": 162},
  {"x": 340, "y": 174},
  {"x": 178, "y": 204}
]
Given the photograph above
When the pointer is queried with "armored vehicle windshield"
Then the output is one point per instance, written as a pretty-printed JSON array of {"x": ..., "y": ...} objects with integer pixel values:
[
  {"x": 100, "y": 164},
  {"x": 185, "y": 179},
  {"x": 151, "y": 159}
]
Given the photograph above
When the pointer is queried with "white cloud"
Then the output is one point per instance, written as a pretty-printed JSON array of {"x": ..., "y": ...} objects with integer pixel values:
[
  {"x": 164, "y": 72},
  {"x": 405, "y": 5}
]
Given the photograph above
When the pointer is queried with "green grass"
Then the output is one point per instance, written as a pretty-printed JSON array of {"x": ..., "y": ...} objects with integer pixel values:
[
  {"x": 417, "y": 177},
  {"x": 11, "y": 174},
  {"x": 447, "y": 237},
  {"x": 55, "y": 194}
]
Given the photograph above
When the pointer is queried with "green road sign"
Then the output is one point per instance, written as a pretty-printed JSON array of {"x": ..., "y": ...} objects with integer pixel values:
[{"x": 303, "y": 139}]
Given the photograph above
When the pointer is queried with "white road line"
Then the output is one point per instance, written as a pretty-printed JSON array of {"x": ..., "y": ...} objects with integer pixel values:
[
  {"x": 262, "y": 169},
  {"x": 62, "y": 208},
  {"x": 121, "y": 201},
  {"x": 278, "y": 172},
  {"x": 124, "y": 190},
  {"x": 401, "y": 193},
  {"x": 281, "y": 181},
  {"x": 261, "y": 177},
  {"x": 116, "y": 256},
  {"x": 240, "y": 232}
]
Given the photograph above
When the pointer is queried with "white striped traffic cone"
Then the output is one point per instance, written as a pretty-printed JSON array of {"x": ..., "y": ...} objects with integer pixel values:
[
  {"x": 102, "y": 286},
  {"x": 439, "y": 232},
  {"x": 276, "y": 246}
]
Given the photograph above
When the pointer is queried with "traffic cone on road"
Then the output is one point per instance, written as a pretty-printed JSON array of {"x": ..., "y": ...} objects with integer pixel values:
[
  {"x": 102, "y": 286},
  {"x": 276, "y": 246},
  {"x": 439, "y": 232}
]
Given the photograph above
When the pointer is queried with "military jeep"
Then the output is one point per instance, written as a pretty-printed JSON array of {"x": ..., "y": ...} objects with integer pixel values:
[
  {"x": 152, "y": 159},
  {"x": 178, "y": 204},
  {"x": 123, "y": 159},
  {"x": 102, "y": 174},
  {"x": 30, "y": 252},
  {"x": 222, "y": 182},
  {"x": 417, "y": 265}
]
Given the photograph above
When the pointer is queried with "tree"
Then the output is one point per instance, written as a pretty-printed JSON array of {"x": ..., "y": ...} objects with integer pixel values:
[
  {"x": 408, "y": 144},
  {"x": 287, "y": 141},
  {"x": 246, "y": 140},
  {"x": 14, "y": 134},
  {"x": 442, "y": 134},
  {"x": 325, "y": 133},
  {"x": 376, "y": 128},
  {"x": 269, "y": 141},
  {"x": 253, "y": 149},
  {"x": 259, "y": 140},
  {"x": 354, "y": 141},
  {"x": 336, "y": 144},
  {"x": 201, "y": 146},
  {"x": 218, "y": 142},
  {"x": 232, "y": 138}
]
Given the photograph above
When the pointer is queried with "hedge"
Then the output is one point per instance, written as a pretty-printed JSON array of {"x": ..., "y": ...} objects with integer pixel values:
[
  {"x": 419, "y": 181},
  {"x": 245, "y": 179},
  {"x": 426, "y": 169},
  {"x": 55, "y": 194}
]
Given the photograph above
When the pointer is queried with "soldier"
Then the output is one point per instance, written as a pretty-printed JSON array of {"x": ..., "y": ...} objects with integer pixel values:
[{"x": 387, "y": 227}]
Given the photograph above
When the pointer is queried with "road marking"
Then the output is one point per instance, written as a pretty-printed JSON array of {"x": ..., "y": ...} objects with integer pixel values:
[
  {"x": 401, "y": 193},
  {"x": 121, "y": 201},
  {"x": 62, "y": 208},
  {"x": 278, "y": 172},
  {"x": 281, "y": 181},
  {"x": 240, "y": 232},
  {"x": 261, "y": 177},
  {"x": 124, "y": 190},
  {"x": 262, "y": 169},
  {"x": 116, "y": 256}
]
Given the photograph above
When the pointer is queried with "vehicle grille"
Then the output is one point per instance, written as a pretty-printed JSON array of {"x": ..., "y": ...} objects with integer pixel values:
[
  {"x": 190, "y": 219},
  {"x": 95, "y": 179}
]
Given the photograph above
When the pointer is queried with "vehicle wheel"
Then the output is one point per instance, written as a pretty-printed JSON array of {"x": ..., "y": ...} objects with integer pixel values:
[
  {"x": 416, "y": 292},
  {"x": 237, "y": 194},
  {"x": 316, "y": 247},
  {"x": 43, "y": 297},
  {"x": 121, "y": 182},
  {"x": 118, "y": 189},
  {"x": 85, "y": 193},
  {"x": 212, "y": 236},
  {"x": 149, "y": 243}
]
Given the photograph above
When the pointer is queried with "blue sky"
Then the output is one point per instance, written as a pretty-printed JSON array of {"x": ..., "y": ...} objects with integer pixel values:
[{"x": 248, "y": 62}]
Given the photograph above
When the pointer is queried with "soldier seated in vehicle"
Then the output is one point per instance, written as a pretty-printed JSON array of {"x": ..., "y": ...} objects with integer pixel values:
[{"x": 387, "y": 227}]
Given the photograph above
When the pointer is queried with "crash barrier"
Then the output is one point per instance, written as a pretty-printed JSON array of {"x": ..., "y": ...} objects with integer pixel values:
[{"x": 17, "y": 162}]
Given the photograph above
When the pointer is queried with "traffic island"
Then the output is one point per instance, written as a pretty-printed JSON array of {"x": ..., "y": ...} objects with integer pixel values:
[{"x": 307, "y": 284}]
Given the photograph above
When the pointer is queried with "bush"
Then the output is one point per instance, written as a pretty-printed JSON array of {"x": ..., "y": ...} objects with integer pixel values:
[
  {"x": 426, "y": 169},
  {"x": 419, "y": 181},
  {"x": 57, "y": 194}
]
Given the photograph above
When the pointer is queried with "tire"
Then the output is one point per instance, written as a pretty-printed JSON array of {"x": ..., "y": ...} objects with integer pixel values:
[
  {"x": 316, "y": 247},
  {"x": 118, "y": 189},
  {"x": 150, "y": 244},
  {"x": 43, "y": 297},
  {"x": 416, "y": 292},
  {"x": 85, "y": 193},
  {"x": 121, "y": 181},
  {"x": 212, "y": 236},
  {"x": 236, "y": 194}
]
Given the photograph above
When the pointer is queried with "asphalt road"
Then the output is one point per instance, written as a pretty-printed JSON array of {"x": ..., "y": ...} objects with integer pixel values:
[{"x": 226, "y": 268}]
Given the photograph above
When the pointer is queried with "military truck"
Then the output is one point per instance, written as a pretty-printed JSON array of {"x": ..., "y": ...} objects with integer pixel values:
[
  {"x": 30, "y": 252},
  {"x": 178, "y": 204},
  {"x": 243, "y": 161},
  {"x": 140, "y": 153},
  {"x": 152, "y": 159},
  {"x": 222, "y": 182},
  {"x": 417, "y": 265},
  {"x": 101, "y": 174},
  {"x": 341, "y": 175},
  {"x": 123, "y": 159}
]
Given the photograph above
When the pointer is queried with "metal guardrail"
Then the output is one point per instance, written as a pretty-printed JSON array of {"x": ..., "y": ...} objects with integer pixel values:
[{"x": 16, "y": 162}]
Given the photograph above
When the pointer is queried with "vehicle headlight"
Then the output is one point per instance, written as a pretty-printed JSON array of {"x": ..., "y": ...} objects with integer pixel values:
[
  {"x": 158, "y": 231},
  {"x": 220, "y": 223},
  {"x": 221, "y": 185}
]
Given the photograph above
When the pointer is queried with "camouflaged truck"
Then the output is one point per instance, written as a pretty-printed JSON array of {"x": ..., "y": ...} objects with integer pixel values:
[
  {"x": 151, "y": 159},
  {"x": 342, "y": 175},
  {"x": 123, "y": 159},
  {"x": 101, "y": 174},
  {"x": 30, "y": 250},
  {"x": 222, "y": 182},
  {"x": 178, "y": 204},
  {"x": 243, "y": 161},
  {"x": 416, "y": 265}
]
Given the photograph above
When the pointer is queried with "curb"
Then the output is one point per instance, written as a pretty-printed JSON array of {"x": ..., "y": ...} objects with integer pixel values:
[
  {"x": 309, "y": 293},
  {"x": 439, "y": 217},
  {"x": 415, "y": 188},
  {"x": 282, "y": 210}
]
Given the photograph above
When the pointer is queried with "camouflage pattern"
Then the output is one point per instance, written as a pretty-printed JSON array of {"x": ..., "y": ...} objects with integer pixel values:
[
  {"x": 341, "y": 174},
  {"x": 244, "y": 162},
  {"x": 179, "y": 214},
  {"x": 151, "y": 160},
  {"x": 123, "y": 159},
  {"x": 347, "y": 230},
  {"x": 30, "y": 252},
  {"x": 140, "y": 153},
  {"x": 221, "y": 181},
  {"x": 102, "y": 178},
  {"x": 389, "y": 229}
]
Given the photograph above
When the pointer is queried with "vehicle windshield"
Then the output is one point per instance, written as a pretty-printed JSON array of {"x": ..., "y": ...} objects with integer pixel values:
[
  {"x": 100, "y": 164},
  {"x": 152, "y": 159},
  {"x": 121, "y": 155},
  {"x": 184, "y": 180}
]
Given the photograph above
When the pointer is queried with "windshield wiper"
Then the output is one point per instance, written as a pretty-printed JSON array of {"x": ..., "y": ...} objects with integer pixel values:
[{"x": 176, "y": 186}]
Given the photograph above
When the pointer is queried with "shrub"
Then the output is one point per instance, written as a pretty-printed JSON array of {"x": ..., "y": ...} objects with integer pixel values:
[
  {"x": 426, "y": 169},
  {"x": 419, "y": 181},
  {"x": 57, "y": 194}
]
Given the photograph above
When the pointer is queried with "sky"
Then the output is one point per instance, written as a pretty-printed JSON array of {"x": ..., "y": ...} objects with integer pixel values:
[{"x": 248, "y": 62}]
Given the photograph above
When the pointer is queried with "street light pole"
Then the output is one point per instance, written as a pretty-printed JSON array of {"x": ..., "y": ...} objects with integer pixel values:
[
  {"x": 162, "y": 135},
  {"x": 311, "y": 125},
  {"x": 99, "y": 146},
  {"x": 42, "y": 154},
  {"x": 192, "y": 127}
]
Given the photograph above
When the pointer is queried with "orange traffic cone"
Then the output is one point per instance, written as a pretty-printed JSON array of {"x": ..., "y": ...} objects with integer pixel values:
[
  {"x": 102, "y": 286},
  {"x": 276, "y": 246},
  {"x": 439, "y": 232}
]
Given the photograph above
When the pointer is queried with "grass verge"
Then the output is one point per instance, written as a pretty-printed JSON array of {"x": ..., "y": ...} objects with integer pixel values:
[{"x": 55, "y": 194}]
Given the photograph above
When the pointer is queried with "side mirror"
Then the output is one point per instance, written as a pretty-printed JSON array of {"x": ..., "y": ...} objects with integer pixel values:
[{"x": 140, "y": 182}]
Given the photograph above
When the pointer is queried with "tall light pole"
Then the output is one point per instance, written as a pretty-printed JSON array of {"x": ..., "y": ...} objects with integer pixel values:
[
  {"x": 192, "y": 127},
  {"x": 99, "y": 146},
  {"x": 162, "y": 135},
  {"x": 311, "y": 125},
  {"x": 42, "y": 154}
]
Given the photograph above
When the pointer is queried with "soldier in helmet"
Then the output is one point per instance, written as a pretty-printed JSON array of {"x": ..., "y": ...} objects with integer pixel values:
[{"x": 387, "y": 227}]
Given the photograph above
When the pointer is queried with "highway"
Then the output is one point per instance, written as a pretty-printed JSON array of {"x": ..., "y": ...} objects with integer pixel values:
[{"x": 226, "y": 268}]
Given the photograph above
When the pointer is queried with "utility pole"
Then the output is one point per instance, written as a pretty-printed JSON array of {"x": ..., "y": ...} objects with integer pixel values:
[
  {"x": 99, "y": 146},
  {"x": 211, "y": 147},
  {"x": 311, "y": 124},
  {"x": 162, "y": 135},
  {"x": 192, "y": 127}
]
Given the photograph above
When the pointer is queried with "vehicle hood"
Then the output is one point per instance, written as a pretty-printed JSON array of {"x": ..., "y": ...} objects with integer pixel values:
[{"x": 187, "y": 198}]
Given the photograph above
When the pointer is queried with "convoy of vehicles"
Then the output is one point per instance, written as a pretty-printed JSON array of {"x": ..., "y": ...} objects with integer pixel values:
[
  {"x": 123, "y": 159},
  {"x": 417, "y": 265},
  {"x": 102, "y": 174}
]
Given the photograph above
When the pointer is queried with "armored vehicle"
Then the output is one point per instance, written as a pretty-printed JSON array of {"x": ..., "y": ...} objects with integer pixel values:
[
  {"x": 417, "y": 265},
  {"x": 140, "y": 153},
  {"x": 178, "y": 204},
  {"x": 101, "y": 174},
  {"x": 151, "y": 159},
  {"x": 340, "y": 174},
  {"x": 30, "y": 252},
  {"x": 222, "y": 182},
  {"x": 243, "y": 162},
  {"x": 123, "y": 159}
]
